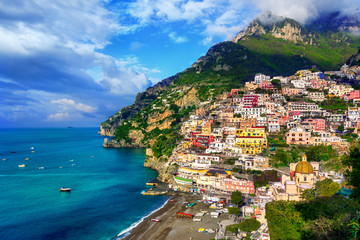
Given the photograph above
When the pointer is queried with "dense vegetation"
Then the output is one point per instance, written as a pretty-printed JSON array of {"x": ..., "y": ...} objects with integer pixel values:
[
  {"x": 324, "y": 188},
  {"x": 353, "y": 160},
  {"x": 236, "y": 198},
  {"x": 329, "y": 51},
  {"x": 229, "y": 65},
  {"x": 335, "y": 104},
  {"x": 321, "y": 218}
]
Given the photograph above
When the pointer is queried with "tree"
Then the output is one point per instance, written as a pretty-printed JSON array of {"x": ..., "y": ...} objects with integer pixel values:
[
  {"x": 232, "y": 228},
  {"x": 249, "y": 225},
  {"x": 324, "y": 188},
  {"x": 236, "y": 198},
  {"x": 327, "y": 188},
  {"x": 353, "y": 160},
  {"x": 234, "y": 210},
  {"x": 341, "y": 128}
]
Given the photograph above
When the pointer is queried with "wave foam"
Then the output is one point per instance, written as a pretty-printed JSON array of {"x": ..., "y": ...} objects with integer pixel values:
[{"x": 127, "y": 231}]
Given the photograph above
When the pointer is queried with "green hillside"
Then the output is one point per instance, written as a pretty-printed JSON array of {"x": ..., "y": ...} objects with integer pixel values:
[{"x": 329, "y": 51}]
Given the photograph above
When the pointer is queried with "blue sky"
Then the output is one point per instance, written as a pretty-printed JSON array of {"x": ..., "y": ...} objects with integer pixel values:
[{"x": 75, "y": 63}]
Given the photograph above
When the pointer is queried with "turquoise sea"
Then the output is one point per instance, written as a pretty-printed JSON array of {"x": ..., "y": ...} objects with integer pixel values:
[{"x": 106, "y": 185}]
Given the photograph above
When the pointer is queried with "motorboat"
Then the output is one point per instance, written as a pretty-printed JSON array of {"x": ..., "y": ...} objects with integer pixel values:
[
  {"x": 65, "y": 189},
  {"x": 22, "y": 165}
]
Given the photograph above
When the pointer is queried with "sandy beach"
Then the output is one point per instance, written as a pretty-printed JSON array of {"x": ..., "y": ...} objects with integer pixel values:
[{"x": 171, "y": 228}]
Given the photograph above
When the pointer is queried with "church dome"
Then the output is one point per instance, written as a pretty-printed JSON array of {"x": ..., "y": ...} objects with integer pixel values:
[{"x": 304, "y": 167}]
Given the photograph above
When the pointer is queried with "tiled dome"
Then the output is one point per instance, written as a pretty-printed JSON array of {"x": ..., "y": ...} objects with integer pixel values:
[{"x": 304, "y": 167}]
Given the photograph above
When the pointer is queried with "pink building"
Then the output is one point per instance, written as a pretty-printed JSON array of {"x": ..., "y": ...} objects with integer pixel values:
[
  {"x": 242, "y": 185},
  {"x": 266, "y": 85},
  {"x": 250, "y": 100},
  {"x": 316, "y": 84},
  {"x": 319, "y": 124},
  {"x": 355, "y": 94}
]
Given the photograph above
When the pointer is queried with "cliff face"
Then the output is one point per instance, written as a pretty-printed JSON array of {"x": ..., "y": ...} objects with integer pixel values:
[
  {"x": 142, "y": 100},
  {"x": 161, "y": 117},
  {"x": 286, "y": 29}
]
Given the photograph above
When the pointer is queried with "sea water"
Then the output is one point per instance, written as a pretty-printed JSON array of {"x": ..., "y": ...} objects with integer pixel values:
[{"x": 106, "y": 184}]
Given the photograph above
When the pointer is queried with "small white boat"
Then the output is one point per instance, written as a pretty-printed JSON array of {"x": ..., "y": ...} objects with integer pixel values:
[
  {"x": 32, "y": 148},
  {"x": 71, "y": 160},
  {"x": 61, "y": 167},
  {"x": 41, "y": 168},
  {"x": 27, "y": 158},
  {"x": 22, "y": 165},
  {"x": 32, "y": 151},
  {"x": 65, "y": 189},
  {"x": 4, "y": 159}
]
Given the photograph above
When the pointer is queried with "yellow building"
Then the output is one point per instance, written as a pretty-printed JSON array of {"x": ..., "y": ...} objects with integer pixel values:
[
  {"x": 251, "y": 132},
  {"x": 206, "y": 130},
  {"x": 251, "y": 145},
  {"x": 251, "y": 140}
]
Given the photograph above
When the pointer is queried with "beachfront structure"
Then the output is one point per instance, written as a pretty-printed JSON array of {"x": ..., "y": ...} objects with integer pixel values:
[
  {"x": 212, "y": 179},
  {"x": 186, "y": 175},
  {"x": 232, "y": 184}
]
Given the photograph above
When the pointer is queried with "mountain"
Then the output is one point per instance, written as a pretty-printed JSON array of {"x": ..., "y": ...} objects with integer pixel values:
[
  {"x": 271, "y": 45},
  {"x": 328, "y": 48}
]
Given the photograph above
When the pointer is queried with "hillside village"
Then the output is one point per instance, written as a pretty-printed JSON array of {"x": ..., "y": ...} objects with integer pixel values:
[{"x": 247, "y": 130}]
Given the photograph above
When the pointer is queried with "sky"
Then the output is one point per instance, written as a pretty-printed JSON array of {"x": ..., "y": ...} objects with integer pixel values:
[{"x": 76, "y": 63}]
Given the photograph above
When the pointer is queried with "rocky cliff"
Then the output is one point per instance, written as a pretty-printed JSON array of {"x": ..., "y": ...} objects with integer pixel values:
[
  {"x": 284, "y": 28},
  {"x": 142, "y": 100}
]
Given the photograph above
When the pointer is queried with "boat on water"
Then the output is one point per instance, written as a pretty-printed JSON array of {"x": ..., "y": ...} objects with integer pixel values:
[
  {"x": 32, "y": 148},
  {"x": 4, "y": 159},
  {"x": 32, "y": 151},
  {"x": 64, "y": 189},
  {"x": 22, "y": 165},
  {"x": 27, "y": 158},
  {"x": 41, "y": 168}
]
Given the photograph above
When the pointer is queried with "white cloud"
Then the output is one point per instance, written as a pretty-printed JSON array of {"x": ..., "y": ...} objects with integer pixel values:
[
  {"x": 71, "y": 105},
  {"x": 306, "y": 10},
  {"x": 216, "y": 18},
  {"x": 57, "y": 117},
  {"x": 177, "y": 39}
]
